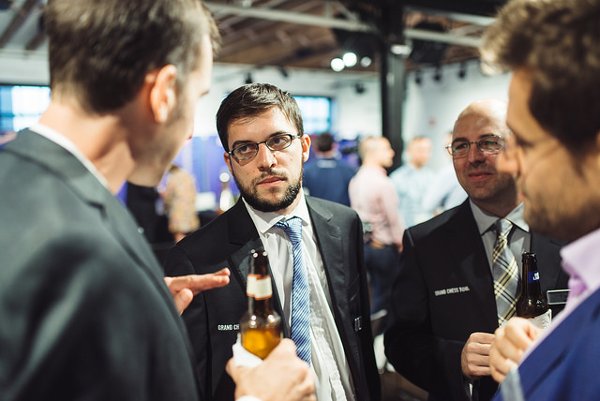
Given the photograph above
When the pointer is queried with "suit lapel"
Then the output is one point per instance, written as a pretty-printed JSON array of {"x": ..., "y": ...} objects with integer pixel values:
[
  {"x": 329, "y": 240},
  {"x": 551, "y": 351},
  {"x": 468, "y": 252},
  {"x": 244, "y": 238}
]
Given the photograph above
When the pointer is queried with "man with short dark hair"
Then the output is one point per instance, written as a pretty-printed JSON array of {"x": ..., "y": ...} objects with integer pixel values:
[
  {"x": 84, "y": 308},
  {"x": 314, "y": 248},
  {"x": 552, "y": 48},
  {"x": 328, "y": 176}
]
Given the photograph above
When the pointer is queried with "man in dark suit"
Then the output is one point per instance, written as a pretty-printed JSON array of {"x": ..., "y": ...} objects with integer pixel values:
[
  {"x": 84, "y": 309},
  {"x": 445, "y": 307},
  {"x": 261, "y": 130}
]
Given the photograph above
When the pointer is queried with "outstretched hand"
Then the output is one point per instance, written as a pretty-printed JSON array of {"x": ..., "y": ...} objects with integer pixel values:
[{"x": 183, "y": 288}]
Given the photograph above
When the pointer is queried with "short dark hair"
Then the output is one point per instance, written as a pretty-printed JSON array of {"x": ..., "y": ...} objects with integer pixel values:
[
  {"x": 251, "y": 100},
  {"x": 101, "y": 51},
  {"x": 325, "y": 142},
  {"x": 556, "y": 41}
]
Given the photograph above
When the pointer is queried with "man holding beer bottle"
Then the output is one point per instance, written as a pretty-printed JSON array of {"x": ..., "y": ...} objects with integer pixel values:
[{"x": 314, "y": 248}]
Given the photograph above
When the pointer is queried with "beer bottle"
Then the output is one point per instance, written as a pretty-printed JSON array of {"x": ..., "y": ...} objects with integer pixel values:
[
  {"x": 261, "y": 325},
  {"x": 531, "y": 303}
]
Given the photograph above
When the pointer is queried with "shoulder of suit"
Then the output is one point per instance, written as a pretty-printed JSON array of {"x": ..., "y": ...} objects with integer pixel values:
[
  {"x": 447, "y": 218},
  {"x": 336, "y": 208}
]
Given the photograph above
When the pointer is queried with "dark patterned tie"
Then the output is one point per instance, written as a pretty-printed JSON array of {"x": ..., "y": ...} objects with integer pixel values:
[
  {"x": 505, "y": 272},
  {"x": 300, "y": 289}
]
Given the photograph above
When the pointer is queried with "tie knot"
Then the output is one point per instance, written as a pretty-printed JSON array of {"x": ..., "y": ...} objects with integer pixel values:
[
  {"x": 503, "y": 227},
  {"x": 292, "y": 227}
]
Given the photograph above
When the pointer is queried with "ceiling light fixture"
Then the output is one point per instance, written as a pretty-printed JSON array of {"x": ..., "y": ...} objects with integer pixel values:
[
  {"x": 337, "y": 64},
  {"x": 350, "y": 59}
]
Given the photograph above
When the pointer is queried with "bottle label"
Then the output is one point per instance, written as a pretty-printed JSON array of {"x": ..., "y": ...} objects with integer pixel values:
[
  {"x": 259, "y": 287},
  {"x": 533, "y": 277},
  {"x": 542, "y": 321}
]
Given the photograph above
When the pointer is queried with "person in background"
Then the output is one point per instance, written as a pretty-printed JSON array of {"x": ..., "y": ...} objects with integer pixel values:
[
  {"x": 179, "y": 197},
  {"x": 412, "y": 181},
  {"x": 551, "y": 46},
  {"x": 86, "y": 312},
  {"x": 328, "y": 176},
  {"x": 460, "y": 270},
  {"x": 314, "y": 248},
  {"x": 373, "y": 196}
]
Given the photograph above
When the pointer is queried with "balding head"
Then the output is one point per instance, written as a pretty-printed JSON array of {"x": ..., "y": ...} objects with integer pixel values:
[
  {"x": 376, "y": 151},
  {"x": 481, "y": 113}
]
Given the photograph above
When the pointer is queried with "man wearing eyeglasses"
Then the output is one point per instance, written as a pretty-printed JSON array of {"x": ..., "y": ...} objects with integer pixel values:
[
  {"x": 457, "y": 283},
  {"x": 261, "y": 130}
]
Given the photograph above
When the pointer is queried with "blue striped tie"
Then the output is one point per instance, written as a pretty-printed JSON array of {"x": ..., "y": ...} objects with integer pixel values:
[{"x": 300, "y": 290}]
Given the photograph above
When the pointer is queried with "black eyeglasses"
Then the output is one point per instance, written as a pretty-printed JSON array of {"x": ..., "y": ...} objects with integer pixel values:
[
  {"x": 489, "y": 144},
  {"x": 247, "y": 151}
]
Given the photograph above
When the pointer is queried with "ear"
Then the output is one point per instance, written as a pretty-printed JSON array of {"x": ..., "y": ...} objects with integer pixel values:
[
  {"x": 227, "y": 159},
  {"x": 163, "y": 92},
  {"x": 305, "y": 140}
]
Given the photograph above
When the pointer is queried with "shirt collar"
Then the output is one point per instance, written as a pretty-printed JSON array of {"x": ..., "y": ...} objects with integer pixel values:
[
  {"x": 264, "y": 221},
  {"x": 69, "y": 146},
  {"x": 486, "y": 221},
  {"x": 579, "y": 260}
]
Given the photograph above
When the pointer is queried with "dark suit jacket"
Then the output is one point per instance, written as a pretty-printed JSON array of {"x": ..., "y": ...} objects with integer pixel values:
[
  {"x": 213, "y": 317},
  {"x": 428, "y": 331},
  {"x": 563, "y": 366},
  {"x": 84, "y": 310}
]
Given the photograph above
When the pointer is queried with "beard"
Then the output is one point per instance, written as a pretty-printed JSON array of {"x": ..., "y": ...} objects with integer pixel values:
[{"x": 250, "y": 194}]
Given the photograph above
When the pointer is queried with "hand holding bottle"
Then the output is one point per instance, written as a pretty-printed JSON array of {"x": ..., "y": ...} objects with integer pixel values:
[{"x": 281, "y": 376}]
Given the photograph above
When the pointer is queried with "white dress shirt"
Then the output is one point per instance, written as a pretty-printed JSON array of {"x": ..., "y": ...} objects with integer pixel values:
[{"x": 332, "y": 372}]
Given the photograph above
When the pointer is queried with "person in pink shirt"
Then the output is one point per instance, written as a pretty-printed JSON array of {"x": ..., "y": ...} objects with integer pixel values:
[{"x": 373, "y": 196}]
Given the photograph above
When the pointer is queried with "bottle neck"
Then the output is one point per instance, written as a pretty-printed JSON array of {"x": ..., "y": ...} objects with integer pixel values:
[
  {"x": 260, "y": 294},
  {"x": 530, "y": 281},
  {"x": 260, "y": 306}
]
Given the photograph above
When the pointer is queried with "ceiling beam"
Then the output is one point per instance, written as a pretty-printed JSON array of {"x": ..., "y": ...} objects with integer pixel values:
[
  {"x": 445, "y": 37},
  {"x": 289, "y": 16},
  {"x": 17, "y": 21}
]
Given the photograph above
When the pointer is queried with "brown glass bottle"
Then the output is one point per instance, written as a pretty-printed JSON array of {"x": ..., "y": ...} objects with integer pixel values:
[
  {"x": 531, "y": 301},
  {"x": 261, "y": 326}
]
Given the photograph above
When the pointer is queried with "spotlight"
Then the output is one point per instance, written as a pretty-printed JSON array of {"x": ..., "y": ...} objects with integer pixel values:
[
  {"x": 418, "y": 77},
  {"x": 437, "y": 76},
  {"x": 350, "y": 59},
  {"x": 359, "y": 88},
  {"x": 365, "y": 61},
  {"x": 462, "y": 71},
  {"x": 337, "y": 64}
]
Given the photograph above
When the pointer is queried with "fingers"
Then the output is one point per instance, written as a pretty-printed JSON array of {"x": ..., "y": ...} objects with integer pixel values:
[
  {"x": 234, "y": 370},
  {"x": 198, "y": 282},
  {"x": 475, "y": 355},
  {"x": 183, "y": 299},
  {"x": 509, "y": 346}
]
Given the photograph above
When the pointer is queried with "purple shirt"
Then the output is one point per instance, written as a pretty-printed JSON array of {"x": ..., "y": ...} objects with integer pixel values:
[{"x": 581, "y": 262}]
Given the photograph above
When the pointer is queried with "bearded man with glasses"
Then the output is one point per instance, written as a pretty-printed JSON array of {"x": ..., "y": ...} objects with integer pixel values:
[
  {"x": 447, "y": 300},
  {"x": 261, "y": 130}
]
